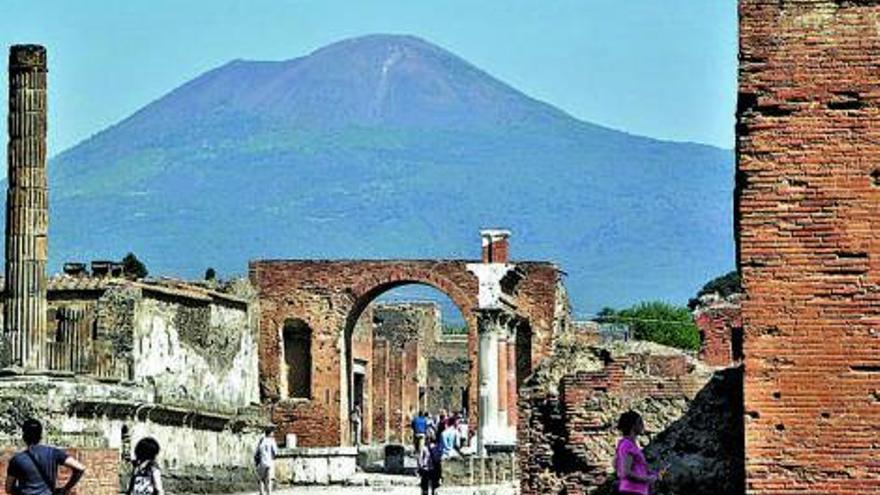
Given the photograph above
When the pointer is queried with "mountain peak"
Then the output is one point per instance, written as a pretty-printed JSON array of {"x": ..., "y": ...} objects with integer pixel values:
[{"x": 394, "y": 81}]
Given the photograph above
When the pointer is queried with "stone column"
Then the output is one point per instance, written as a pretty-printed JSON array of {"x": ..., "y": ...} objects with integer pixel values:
[
  {"x": 512, "y": 392},
  {"x": 502, "y": 382},
  {"x": 488, "y": 357},
  {"x": 27, "y": 216}
]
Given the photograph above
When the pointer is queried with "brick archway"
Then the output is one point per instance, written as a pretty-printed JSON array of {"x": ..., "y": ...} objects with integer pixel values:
[{"x": 330, "y": 296}]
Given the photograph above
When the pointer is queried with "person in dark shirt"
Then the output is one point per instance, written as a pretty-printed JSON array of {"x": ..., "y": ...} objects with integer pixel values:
[{"x": 34, "y": 471}]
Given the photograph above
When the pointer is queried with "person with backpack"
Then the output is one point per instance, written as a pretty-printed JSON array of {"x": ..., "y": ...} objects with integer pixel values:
[
  {"x": 428, "y": 462},
  {"x": 146, "y": 478},
  {"x": 34, "y": 471},
  {"x": 264, "y": 458}
]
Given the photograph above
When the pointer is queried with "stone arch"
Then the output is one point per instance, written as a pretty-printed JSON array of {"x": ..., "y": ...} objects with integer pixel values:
[
  {"x": 329, "y": 295},
  {"x": 370, "y": 288}
]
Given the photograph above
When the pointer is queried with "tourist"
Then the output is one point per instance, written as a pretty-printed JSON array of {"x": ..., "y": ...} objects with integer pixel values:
[
  {"x": 430, "y": 464},
  {"x": 356, "y": 425},
  {"x": 146, "y": 478},
  {"x": 426, "y": 466},
  {"x": 419, "y": 427},
  {"x": 264, "y": 458},
  {"x": 34, "y": 470},
  {"x": 633, "y": 476},
  {"x": 449, "y": 441}
]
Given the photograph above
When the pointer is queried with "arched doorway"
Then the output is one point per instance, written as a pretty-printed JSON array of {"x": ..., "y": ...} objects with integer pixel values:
[
  {"x": 385, "y": 418},
  {"x": 408, "y": 353}
]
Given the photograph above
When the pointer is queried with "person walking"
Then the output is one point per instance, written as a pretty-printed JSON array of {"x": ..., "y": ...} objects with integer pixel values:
[
  {"x": 429, "y": 466},
  {"x": 633, "y": 475},
  {"x": 34, "y": 471},
  {"x": 146, "y": 478},
  {"x": 264, "y": 458},
  {"x": 419, "y": 426}
]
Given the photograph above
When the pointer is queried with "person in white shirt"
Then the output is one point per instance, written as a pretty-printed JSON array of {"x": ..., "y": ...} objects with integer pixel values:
[{"x": 264, "y": 458}]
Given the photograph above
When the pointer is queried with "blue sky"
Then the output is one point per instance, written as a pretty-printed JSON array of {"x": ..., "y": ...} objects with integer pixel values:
[{"x": 661, "y": 68}]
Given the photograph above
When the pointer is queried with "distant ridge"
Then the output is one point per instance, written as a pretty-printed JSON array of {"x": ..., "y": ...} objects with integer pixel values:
[{"x": 387, "y": 146}]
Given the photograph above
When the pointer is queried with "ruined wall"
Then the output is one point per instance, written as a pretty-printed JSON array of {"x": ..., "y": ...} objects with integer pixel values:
[
  {"x": 118, "y": 415},
  {"x": 195, "y": 352},
  {"x": 569, "y": 408},
  {"x": 721, "y": 334},
  {"x": 401, "y": 327},
  {"x": 808, "y": 206}
]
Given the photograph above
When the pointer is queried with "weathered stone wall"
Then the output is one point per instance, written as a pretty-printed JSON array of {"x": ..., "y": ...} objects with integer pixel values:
[
  {"x": 808, "y": 206},
  {"x": 202, "y": 354},
  {"x": 120, "y": 414},
  {"x": 568, "y": 411}
]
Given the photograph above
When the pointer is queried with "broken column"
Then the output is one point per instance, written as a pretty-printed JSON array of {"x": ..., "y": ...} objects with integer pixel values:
[
  {"x": 495, "y": 317},
  {"x": 27, "y": 216}
]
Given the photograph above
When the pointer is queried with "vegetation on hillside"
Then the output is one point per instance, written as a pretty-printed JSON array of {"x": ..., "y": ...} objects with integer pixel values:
[{"x": 658, "y": 322}]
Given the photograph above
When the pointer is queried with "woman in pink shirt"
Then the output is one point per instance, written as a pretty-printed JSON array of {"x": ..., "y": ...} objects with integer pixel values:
[{"x": 633, "y": 475}]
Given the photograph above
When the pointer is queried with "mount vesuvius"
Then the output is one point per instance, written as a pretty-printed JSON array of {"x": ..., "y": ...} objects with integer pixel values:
[{"x": 390, "y": 147}]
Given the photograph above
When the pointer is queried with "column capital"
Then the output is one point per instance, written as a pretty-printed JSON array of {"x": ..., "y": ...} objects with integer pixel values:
[{"x": 500, "y": 320}]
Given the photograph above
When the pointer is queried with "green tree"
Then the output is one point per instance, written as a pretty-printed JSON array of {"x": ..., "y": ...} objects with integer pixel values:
[
  {"x": 210, "y": 274},
  {"x": 724, "y": 285},
  {"x": 133, "y": 268},
  {"x": 658, "y": 322}
]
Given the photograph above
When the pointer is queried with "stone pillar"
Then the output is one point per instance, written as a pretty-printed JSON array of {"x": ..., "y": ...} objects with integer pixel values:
[
  {"x": 502, "y": 382},
  {"x": 488, "y": 357},
  {"x": 512, "y": 392},
  {"x": 27, "y": 216}
]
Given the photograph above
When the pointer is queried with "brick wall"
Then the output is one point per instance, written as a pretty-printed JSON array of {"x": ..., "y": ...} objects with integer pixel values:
[
  {"x": 808, "y": 194},
  {"x": 720, "y": 324},
  {"x": 329, "y": 296},
  {"x": 566, "y": 432},
  {"x": 102, "y": 470}
]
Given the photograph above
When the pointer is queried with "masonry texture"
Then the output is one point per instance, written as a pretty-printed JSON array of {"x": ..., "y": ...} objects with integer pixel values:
[
  {"x": 569, "y": 408},
  {"x": 808, "y": 205},
  {"x": 329, "y": 296},
  {"x": 721, "y": 334}
]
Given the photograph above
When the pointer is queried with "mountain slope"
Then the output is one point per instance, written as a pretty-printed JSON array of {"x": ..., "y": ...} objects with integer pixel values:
[{"x": 390, "y": 147}]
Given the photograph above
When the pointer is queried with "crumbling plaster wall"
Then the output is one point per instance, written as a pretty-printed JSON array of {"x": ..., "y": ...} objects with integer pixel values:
[{"x": 201, "y": 354}]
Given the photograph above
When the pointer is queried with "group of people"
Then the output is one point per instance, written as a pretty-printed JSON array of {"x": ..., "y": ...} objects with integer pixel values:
[
  {"x": 34, "y": 471},
  {"x": 436, "y": 438}
]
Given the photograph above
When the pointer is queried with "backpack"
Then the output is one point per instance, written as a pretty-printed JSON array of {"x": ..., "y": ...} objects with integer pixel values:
[{"x": 142, "y": 481}]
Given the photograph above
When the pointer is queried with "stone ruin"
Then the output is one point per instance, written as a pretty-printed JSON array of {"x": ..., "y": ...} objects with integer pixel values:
[{"x": 801, "y": 418}]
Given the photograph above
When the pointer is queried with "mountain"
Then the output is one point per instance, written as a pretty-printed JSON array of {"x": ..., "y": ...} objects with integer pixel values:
[{"x": 390, "y": 147}]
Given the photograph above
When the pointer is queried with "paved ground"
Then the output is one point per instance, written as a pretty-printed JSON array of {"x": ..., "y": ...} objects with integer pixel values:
[{"x": 390, "y": 485}]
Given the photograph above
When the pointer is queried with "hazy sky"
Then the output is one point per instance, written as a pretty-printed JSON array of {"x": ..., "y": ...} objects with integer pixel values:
[{"x": 662, "y": 68}]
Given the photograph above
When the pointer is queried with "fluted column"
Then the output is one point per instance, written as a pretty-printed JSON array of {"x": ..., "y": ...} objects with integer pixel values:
[
  {"x": 27, "y": 216},
  {"x": 489, "y": 329},
  {"x": 502, "y": 381},
  {"x": 512, "y": 392}
]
